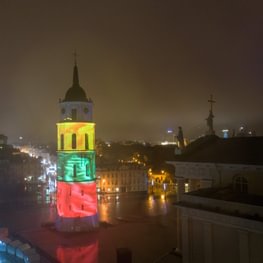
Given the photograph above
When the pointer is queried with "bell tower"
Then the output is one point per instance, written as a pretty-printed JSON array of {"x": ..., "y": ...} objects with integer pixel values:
[{"x": 76, "y": 176}]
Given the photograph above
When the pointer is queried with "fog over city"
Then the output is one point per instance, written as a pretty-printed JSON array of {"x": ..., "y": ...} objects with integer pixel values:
[{"x": 148, "y": 66}]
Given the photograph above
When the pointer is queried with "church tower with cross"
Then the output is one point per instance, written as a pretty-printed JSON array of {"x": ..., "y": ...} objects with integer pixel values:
[
  {"x": 210, "y": 118},
  {"x": 76, "y": 179}
]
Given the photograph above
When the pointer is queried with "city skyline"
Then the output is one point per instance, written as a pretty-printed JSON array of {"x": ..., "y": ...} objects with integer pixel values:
[{"x": 147, "y": 65}]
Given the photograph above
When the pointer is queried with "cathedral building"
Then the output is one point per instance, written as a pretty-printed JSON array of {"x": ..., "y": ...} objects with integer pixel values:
[{"x": 220, "y": 219}]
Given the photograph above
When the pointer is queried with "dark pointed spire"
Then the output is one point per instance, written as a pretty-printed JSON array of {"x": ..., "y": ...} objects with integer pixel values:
[
  {"x": 75, "y": 72},
  {"x": 75, "y": 93},
  {"x": 75, "y": 57},
  {"x": 75, "y": 77}
]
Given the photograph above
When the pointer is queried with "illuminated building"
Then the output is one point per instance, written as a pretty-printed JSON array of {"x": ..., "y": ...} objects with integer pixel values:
[
  {"x": 122, "y": 178},
  {"x": 76, "y": 182},
  {"x": 160, "y": 183}
]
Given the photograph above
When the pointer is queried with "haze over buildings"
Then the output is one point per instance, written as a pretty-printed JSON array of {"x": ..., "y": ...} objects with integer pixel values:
[{"x": 147, "y": 65}]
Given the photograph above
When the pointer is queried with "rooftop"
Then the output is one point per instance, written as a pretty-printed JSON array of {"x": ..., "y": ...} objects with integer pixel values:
[{"x": 236, "y": 150}]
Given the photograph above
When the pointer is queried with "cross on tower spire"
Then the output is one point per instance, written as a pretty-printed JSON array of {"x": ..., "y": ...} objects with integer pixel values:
[
  {"x": 211, "y": 102},
  {"x": 75, "y": 72},
  {"x": 75, "y": 57}
]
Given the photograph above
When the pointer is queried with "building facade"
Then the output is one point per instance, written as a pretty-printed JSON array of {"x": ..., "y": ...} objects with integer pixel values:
[
  {"x": 220, "y": 225},
  {"x": 221, "y": 218},
  {"x": 122, "y": 179}
]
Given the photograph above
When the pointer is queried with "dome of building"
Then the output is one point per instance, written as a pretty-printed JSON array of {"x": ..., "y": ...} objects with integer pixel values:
[{"x": 75, "y": 93}]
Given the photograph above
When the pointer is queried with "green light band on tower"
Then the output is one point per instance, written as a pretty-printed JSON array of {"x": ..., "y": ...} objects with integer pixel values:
[{"x": 76, "y": 166}]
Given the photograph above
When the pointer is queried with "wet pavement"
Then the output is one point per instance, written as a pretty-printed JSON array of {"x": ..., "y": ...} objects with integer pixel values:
[{"x": 144, "y": 225}]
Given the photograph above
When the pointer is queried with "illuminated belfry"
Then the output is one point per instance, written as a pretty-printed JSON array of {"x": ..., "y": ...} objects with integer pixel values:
[{"x": 76, "y": 185}]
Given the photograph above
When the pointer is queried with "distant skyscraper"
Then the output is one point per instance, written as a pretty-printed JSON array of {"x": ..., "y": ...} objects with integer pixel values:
[
  {"x": 210, "y": 119},
  {"x": 3, "y": 139},
  {"x": 76, "y": 185}
]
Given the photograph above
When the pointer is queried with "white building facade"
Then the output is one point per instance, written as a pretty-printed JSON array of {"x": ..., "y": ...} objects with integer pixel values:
[{"x": 221, "y": 218}]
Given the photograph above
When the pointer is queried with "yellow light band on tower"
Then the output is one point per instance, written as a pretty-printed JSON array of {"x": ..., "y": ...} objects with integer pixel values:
[{"x": 85, "y": 136}]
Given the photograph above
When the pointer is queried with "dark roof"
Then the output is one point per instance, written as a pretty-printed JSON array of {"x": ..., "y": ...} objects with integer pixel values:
[
  {"x": 236, "y": 150},
  {"x": 228, "y": 194},
  {"x": 75, "y": 93}
]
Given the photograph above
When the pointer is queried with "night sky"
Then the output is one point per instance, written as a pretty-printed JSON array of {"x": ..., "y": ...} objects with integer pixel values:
[{"x": 147, "y": 65}]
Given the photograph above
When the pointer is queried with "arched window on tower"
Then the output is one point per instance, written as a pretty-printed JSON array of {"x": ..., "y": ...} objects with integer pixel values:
[
  {"x": 74, "y": 141},
  {"x": 87, "y": 170},
  {"x": 240, "y": 184},
  {"x": 74, "y": 114},
  {"x": 62, "y": 171},
  {"x": 86, "y": 141},
  {"x": 61, "y": 141},
  {"x": 74, "y": 171}
]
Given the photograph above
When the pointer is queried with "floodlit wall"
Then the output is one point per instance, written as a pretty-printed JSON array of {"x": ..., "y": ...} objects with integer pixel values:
[
  {"x": 76, "y": 167},
  {"x": 80, "y": 129},
  {"x": 76, "y": 199}
]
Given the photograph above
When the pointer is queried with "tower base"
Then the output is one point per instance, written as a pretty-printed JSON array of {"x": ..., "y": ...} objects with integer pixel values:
[{"x": 77, "y": 224}]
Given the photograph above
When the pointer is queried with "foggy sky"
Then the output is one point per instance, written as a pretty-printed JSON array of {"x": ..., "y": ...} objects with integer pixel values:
[{"x": 147, "y": 65}]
